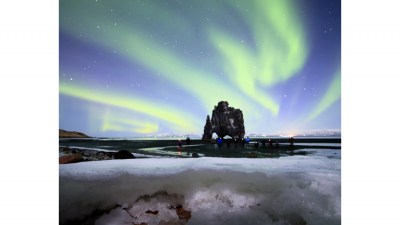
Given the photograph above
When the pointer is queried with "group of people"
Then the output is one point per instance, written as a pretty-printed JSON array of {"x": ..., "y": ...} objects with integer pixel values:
[
  {"x": 244, "y": 142},
  {"x": 187, "y": 142}
]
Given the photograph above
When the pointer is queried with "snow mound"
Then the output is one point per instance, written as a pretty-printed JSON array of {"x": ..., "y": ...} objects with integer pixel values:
[{"x": 290, "y": 190}]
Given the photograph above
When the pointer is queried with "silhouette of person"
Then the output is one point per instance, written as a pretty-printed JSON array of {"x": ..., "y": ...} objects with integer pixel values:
[
  {"x": 291, "y": 141},
  {"x": 212, "y": 141},
  {"x": 277, "y": 143},
  {"x": 256, "y": 144},
  {"x": 270, "y": 142},
  {"x": 180, "y": 143},
  {"x": 187, "y": 141},
  {"x": 219, "y": 142},
  {"x": 263, "y": 142},
  {"x": 236, "y": 142},
  {"x": 228, "y": 143},
  {"x": 243, "y": 142}
]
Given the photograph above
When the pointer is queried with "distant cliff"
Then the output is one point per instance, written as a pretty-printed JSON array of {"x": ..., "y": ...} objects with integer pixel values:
[{"x": 71, "y": 134}]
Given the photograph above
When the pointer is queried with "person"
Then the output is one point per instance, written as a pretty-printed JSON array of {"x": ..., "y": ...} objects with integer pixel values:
[
  {"x": 228, "y": 143},
  {"x": 219, "y": 142},
  {"x": 263, "y": 142},
  {"x": 277, "y": 143},
  {"x": 256, "y": 144},
  {"x": 242, "y": 141},
  {"x": 187, "y": 141},
  {"x": 247, "y": 141},
  {"x": 212, "y": 141},
  {"x": 291, "y": 141},
  {"x": 180, "y": 143},
  {"x": 236, "y": 142},
  {"x": 270, "y": 142}
]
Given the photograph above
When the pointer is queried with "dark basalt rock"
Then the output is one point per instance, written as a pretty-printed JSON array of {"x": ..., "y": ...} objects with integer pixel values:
[
  {"x": 123, "y": 154},
  {"x": 225, "y": 121},
  {"x": 195, "y": 155}
]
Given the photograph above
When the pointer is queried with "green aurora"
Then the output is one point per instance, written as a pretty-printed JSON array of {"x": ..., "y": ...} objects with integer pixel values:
[{"x": 264, "y": 49}]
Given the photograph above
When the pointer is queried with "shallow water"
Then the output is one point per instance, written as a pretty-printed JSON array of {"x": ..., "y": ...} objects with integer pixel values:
[{"x": 170, "y": 147}]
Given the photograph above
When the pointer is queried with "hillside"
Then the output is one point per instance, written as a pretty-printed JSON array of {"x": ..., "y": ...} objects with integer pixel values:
[{"x": 71, "y": 134}]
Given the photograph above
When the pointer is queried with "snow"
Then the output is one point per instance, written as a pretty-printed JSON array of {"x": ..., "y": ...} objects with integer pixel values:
[{"x": 215, "y": 190}]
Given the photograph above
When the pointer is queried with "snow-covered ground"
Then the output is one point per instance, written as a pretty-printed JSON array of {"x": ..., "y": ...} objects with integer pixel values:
[{"x": 288, "y": 190}]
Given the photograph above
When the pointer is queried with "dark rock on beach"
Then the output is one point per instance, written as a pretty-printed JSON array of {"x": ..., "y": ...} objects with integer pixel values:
[
  {"x": 123, "y": 154},
  {"x": 195, "y": 155},
  {"x": 74, "y": 158}
]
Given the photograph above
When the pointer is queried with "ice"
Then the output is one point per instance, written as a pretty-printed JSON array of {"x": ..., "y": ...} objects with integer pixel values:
[
  {"x": 290, "y": 190},
  {"x": 116, "y": 216}
]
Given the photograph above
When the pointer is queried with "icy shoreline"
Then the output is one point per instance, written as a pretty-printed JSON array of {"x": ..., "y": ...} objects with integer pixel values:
[
  {"x": 137, "y": 155},
  {"x": 215, "y": 190}
]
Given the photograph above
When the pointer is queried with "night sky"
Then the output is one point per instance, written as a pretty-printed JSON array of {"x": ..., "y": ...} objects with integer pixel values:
[{"x": 133, "y": 68}]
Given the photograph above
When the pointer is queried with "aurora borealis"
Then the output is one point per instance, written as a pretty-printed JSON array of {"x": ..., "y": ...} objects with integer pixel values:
[{"x": 128, "y": 68}]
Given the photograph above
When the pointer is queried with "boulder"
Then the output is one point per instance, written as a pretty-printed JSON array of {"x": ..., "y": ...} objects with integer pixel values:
[
  {"x": 74, "y": 158},
  {"x": 91, "y": 153},
  {"x": 87, "y": 153},
  {"x": 252, "y": 155},
  {"x": 195, "y": 155},
  {"x": 225, "y": 121},
  {"x": 123, "y": 154}
]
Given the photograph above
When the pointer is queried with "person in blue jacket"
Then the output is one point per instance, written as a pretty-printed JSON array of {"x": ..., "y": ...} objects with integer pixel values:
[
  {"x": 219, "y": 142},
  {"x": 247, "y": 141}
]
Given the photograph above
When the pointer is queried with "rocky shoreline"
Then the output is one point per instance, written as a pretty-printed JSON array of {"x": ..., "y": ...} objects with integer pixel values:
[
  {"x": 73, "y": 155},
  {"x": 78, "y": 154}
]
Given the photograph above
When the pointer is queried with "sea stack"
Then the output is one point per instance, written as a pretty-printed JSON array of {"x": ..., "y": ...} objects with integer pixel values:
[{"x": 225, "y": 120}]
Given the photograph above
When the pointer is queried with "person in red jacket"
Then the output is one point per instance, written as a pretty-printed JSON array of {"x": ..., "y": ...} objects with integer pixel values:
[{"x": 291, "y": 141}]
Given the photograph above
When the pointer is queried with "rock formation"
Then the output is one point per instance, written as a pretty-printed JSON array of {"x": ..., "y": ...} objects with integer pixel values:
[{"x": 225, "y": 121}]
